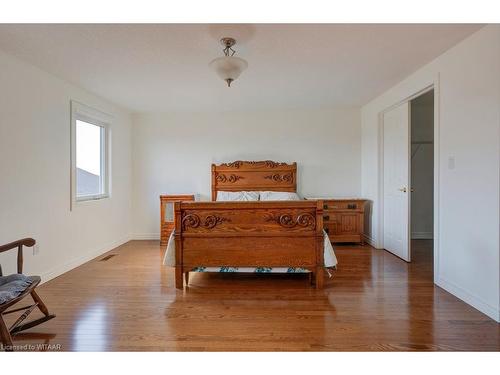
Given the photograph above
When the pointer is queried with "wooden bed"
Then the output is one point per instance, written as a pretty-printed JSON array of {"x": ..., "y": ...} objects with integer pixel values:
[{"x": 250, "y": 234}]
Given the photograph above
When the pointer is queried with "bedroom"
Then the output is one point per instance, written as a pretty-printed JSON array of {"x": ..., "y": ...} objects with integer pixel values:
[{"x": 302, "y": 130}]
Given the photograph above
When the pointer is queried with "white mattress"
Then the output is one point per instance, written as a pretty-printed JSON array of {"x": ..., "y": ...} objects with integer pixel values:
[{"x": 329, "y": 258}]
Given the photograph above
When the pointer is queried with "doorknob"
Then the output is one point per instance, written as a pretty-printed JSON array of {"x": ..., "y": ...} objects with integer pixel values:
[{"x": 403, "y": 189}]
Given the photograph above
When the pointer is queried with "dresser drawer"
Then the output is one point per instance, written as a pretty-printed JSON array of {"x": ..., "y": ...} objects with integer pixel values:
[
  {"x": 330, "y": 228},
  {"x": 342, "y": 205},
  {"x": 329, "y": 218}
]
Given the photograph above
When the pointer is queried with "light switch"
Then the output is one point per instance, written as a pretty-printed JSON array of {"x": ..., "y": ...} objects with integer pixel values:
[{"x": 451, "y": 162}]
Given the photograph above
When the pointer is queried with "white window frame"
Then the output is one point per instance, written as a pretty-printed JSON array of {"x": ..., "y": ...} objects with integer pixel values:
[{"x": 92, "y": 116}]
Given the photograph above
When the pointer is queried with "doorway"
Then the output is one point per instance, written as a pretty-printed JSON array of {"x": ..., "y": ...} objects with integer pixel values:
[
  {"x": 408, "y": 178},
  {"x": 422, "y": 177}
]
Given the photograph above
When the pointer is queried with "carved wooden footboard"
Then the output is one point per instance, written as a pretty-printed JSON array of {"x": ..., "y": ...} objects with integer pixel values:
[{"x": 249, "y": 234}]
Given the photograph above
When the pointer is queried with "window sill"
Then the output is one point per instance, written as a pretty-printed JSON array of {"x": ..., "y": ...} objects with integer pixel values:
[{"x": 89, "y": 198}]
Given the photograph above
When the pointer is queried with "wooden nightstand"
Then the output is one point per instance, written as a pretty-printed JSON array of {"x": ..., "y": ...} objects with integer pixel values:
[
  {"x": 343, "y": 219},
  {"x": 167, "y": 224}
]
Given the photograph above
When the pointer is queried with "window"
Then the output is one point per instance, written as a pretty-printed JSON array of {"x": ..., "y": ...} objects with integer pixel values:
[{"x": 90, "y": 135}]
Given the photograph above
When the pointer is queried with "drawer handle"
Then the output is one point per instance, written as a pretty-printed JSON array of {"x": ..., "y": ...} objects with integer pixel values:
[
  {"x": 327, "y": 217},
  {"x": 351, "y": 206},
  {"x": 325, "y": 206}
]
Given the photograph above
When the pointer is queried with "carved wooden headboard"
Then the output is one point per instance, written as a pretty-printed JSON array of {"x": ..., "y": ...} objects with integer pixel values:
[{"x": 264, "y": 175}]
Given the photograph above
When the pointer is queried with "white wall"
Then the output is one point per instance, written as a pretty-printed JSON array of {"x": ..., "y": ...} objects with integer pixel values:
[
  {"x": 35, "y": 173},
  {"x": 468, "y": 97},
  {"x": 172, "y": 153},
  {"x": 422, "y": 166}
]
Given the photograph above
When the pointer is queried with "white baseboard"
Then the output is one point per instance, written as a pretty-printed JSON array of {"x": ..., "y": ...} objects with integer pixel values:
[
  {"x": 492, "y": 311},
  {"x": 422, "y": 236},
  {"x": 68, "y": 266},
  {"x": 145, "y": 236},
  {"x": 370, "y": 241}
]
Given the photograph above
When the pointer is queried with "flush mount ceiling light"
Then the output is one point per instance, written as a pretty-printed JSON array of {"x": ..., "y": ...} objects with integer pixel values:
[{"x": 228, "y": 67}]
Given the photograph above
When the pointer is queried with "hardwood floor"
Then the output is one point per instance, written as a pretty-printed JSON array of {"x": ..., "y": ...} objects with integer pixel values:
[{"x": 375, "y": 301}]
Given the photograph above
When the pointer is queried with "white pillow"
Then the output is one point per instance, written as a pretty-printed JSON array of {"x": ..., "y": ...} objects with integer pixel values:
[
  {"x": 279, "y": 196},
  {"x": 233, "y": 196}
]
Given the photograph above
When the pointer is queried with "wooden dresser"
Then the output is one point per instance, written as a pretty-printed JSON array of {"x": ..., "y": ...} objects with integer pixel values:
[
  {"x": 167, "y": 224},
  {"x": 343, "y": 219}
]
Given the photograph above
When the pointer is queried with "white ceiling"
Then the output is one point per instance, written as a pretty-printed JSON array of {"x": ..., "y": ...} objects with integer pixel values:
[{"x": 165, "y": 67}]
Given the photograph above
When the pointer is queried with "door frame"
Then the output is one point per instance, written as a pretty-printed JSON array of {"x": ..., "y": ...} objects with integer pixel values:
[{"x": 434, "y": 85}]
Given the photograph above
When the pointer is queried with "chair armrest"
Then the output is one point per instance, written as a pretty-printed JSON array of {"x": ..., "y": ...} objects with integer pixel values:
[
  {"x": 19, "y": 244},
  {"x": 24, "y": 242}
]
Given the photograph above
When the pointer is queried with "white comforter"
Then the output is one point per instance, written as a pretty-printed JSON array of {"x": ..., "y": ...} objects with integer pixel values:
[{"x": 329, "y": 256}]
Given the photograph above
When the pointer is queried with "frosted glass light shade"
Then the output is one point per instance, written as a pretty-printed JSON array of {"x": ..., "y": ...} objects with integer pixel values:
[{"x": 228, "y": 67}]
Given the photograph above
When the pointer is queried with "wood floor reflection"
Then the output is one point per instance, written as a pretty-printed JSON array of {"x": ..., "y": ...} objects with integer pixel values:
[{"x": 375, "y": 301}]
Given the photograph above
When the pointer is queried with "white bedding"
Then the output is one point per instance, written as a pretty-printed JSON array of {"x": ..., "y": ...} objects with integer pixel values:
[{"x": 329, "y": 258}]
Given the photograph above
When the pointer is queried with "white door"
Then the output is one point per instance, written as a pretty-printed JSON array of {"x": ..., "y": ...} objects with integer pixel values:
[{"x": 396, "y": 181}]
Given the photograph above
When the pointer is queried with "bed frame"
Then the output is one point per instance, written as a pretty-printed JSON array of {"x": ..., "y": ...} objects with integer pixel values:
[{"x": 250, "y": 234}]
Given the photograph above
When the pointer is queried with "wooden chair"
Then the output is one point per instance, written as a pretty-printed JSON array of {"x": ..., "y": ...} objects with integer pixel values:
[{"x": 15, "y": 288}]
